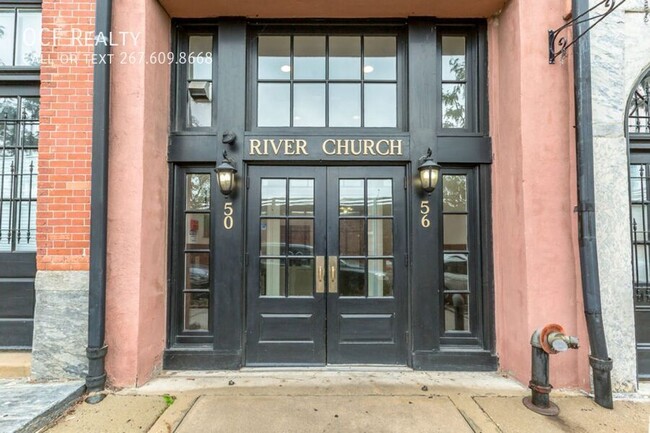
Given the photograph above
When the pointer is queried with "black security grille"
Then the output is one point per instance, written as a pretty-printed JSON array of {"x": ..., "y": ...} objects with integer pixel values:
[
  {"x": 639, "y": 116},
  {"x": 640, "y": 235},
  {"x": 19, "y": 133}
]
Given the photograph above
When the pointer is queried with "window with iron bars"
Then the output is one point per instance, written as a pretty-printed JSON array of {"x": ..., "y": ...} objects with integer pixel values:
[
  {"x": 19, "y": 133},
  {"x": 639, "y": 115}
]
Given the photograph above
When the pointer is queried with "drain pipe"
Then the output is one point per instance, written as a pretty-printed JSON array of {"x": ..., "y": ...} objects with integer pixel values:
[
  {"x": 96, "y": 350},
  {"x": 600, "y": 363}
]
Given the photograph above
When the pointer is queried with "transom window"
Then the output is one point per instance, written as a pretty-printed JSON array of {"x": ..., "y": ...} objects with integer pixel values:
[
  {"x": 454, "y": 82},
  {"x": 327, "y": 81},
  {"x": 199, "y": 81},
  {"x": 20, "y": 37}
]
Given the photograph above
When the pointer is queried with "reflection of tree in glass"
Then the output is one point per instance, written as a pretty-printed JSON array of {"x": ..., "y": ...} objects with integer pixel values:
[
  {"x": 8, "y": 108},
  {"x": 9, "y": 116},
  {"x": 2, "y": 33},
  {"x": 453, "y": 193},
  {"x": 453, "y": 96},
  {"x": 199, "y": 191},
  {"x": 29, "y": 113},
  {"x": 8, "y": 113},
  {"x": 32, "y": 58},
  {"x": 639, "y": 113}
]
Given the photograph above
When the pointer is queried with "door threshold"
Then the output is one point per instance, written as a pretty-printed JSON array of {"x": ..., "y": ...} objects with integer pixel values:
[{"x": 331, "y": 367}]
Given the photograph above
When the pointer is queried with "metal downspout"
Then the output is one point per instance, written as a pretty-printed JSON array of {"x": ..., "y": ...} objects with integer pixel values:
[
  {"x": 600, "y": 362},
  {"x": 96, "y": 350}
]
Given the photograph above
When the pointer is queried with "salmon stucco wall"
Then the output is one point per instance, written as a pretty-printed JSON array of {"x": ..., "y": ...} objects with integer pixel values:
[
  {"x": 537, "y": 276},
  {"x": 137, "y": 211}
]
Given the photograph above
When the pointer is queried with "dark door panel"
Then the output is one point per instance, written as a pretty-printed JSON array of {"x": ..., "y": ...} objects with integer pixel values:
[
  {"x": 19, "y": 135},
  {"x": 16, "y": 333},
  {"x": 18, "y": 298},
  {"x": 18, "y": 265},
  {"x": 17, "y": 272}
]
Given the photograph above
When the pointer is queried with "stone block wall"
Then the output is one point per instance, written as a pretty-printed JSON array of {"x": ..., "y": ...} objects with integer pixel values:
[{"x": 620, "y": 53}]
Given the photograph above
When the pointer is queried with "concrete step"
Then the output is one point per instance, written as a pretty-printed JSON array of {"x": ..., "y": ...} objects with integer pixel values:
[{"x": 14, "y": 364}]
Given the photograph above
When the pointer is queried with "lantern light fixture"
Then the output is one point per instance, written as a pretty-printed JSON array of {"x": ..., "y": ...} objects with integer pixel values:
[
  {"x": 226, "y": 175},
  {"x": 429, "y": 172}
]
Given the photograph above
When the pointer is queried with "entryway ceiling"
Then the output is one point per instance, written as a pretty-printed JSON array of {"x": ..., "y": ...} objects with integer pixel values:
[{"x": 332, "y": 8}]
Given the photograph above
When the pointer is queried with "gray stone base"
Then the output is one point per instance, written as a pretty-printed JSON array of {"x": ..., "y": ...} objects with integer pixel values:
[
  {"x": 28, "y": 407},
  {"x": 60, "y": 325}
]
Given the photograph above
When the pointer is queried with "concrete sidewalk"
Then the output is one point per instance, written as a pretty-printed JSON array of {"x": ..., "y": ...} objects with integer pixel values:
[{"x": 343, "y": 401}]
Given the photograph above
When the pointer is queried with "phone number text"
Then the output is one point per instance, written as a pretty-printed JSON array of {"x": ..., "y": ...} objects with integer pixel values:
[{"x": 133, "y": 58}]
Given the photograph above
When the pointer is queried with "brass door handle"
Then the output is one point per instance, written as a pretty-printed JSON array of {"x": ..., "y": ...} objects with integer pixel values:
[
  {"x": 333, "y": 285},
  {"x": 320, "y": 280}
]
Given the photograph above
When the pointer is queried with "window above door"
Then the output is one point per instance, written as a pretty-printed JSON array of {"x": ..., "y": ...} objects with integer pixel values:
[
  {"x": 337, "y": 78},
  {"x": 194, "y": 76}
]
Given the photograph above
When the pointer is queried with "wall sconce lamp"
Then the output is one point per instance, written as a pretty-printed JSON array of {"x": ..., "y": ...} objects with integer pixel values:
[
  {"x": 429, "y": 172},
  {"x": 226, "y": 175}
]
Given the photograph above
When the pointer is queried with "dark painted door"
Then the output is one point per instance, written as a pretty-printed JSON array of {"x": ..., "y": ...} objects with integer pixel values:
[
  {"x": 327, "y": 275},
  {"x": 286, "y": 237},
  {"x": 19, "y": 133}
]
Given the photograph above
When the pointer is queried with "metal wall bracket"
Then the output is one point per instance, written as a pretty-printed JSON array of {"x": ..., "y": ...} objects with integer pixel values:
[{"x": 558, "y": 46}]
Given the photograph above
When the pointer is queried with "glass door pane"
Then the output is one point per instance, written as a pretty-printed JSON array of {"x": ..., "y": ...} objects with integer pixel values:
[{"x": 365, "y": 237}]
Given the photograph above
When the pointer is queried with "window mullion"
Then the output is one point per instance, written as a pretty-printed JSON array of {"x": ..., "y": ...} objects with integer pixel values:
[
  {"x": 15, "y": 36},
  {"x": 13, "y": 198},
  {"x": 327, "y": 81},
  {"x": 20, "y": 170},
  {"x": 362, "y": 83},
  {"x": 291, "y": 80}
]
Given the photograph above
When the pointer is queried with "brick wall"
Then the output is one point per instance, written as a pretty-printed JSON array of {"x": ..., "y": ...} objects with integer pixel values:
[{"x": 63, "y": 216}]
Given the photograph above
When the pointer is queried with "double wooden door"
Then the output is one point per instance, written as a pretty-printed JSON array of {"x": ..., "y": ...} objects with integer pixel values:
[{"x": 326, "y": 266}]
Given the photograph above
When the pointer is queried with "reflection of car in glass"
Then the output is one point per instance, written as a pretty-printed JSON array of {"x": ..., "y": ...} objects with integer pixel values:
[
  {"x": 351, "y": 272},
  {"x": 199, "y": 276},
  {"x": 279, "y": 249},
  {"x": 456, "y": 304},
  {"x": 455, "y": 269}
]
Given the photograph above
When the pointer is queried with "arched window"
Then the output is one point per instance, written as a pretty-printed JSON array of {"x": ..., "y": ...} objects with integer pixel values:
[
  {"x": 638, "y": 132},
  {"x": 639, "y": 114}
]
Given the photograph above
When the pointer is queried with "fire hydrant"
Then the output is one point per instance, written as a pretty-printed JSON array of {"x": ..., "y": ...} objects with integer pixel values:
[{"x": 549, "y": 340}]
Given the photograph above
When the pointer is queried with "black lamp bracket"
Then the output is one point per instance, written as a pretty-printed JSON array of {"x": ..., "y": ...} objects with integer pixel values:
[
  {"x": 229, "y": 137},
  {"x": 227, "y": 159},
  {"x": 426, "y": 156},
  {"x": 557, "y": 46}
]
